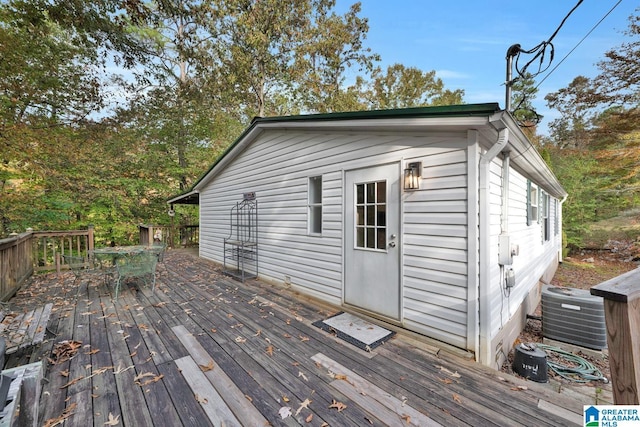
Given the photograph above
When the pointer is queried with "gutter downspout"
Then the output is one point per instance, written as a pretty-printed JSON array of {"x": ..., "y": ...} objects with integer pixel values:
[
  {"x": 561, "y": 204},
  {"x": 485, "y": 351}
]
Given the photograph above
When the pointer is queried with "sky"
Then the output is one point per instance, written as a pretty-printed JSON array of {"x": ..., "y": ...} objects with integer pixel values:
[{"x": 465, "y": 41}]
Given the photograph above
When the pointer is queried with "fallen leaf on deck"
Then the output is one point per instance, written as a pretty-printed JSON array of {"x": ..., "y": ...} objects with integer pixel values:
[
  {"x": 270, "y": 350},
  {"x": 68, "y": 411},
  {"x": 143, "y": 375},
  {"x": 113, "y": 421},
  {"x": 153, "y": 380},
  {"x": 240, "y": 340},
  {"x": 120, "y": 369},
  {"x": 301, "y": 374},
  {"x": 303, "y": 339},
  {"x": 446, "y": 380},
  {"x": 303, "y": 405},
  {"x": 201, "y": 400},
  {"x": 407, "y": 419},
  {"x": 64, "y": 373},
  {"x": 249, "y": 398},
  {"x": 257, "y": 334},
  {"x": 457, "y": 398},
  {"x": 94, "y": 351},
  {"x": 64, "y": 350},
  {"x": 448, "y": 372},
  {"x": 284, "y": 412},
  {"x": 207, "y": 367},
  {"x": 309, "y": 418},
  {"x": 72, "y": 382},
  {"x": 337, "y": 405},
  {"x": 285, "y": 399}
]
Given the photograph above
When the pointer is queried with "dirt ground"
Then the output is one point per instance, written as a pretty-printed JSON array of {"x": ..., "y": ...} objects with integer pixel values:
[{"x": 584, "y": 270}]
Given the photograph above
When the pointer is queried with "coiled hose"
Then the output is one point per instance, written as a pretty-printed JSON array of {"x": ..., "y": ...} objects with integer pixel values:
[{"x": 579, "y": 370}]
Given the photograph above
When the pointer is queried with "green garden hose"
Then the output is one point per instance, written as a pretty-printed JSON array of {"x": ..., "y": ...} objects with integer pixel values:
[{"x": 579, "y": 369}]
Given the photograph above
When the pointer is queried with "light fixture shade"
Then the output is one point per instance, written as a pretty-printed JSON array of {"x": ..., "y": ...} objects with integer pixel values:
[{"x": 412, "y": 176}]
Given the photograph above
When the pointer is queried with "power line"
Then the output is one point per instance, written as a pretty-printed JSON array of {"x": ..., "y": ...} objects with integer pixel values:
[
  {"x": 579, "y": 43},
  {"x": 540, "y": 49}
]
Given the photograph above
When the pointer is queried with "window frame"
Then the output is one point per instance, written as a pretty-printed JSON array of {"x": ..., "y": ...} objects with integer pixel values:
[
  {"x": 314, "y": 205},
  {"x": 533, "y": 203}
]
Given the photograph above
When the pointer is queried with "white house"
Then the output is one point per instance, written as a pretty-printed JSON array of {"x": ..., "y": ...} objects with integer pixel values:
[{"x": 458, "y": 258}]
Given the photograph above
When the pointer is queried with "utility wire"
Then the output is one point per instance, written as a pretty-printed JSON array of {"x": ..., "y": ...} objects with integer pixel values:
[
  {"x": 579, "y": 43},
  {"x": 540, "y": 49}
]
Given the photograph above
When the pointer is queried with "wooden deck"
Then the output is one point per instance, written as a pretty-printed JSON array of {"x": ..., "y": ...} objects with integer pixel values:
[{"x": 207, "y": 350}]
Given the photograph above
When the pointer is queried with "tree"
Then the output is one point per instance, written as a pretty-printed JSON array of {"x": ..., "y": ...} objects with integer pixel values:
[
  {"x": 576, "y": 105},
  {"x": 333, "y": 47},
  {"x": 404, "y": 87},
  {"x": 619, "y": 80},
  {"x": 523, "y": 92}
]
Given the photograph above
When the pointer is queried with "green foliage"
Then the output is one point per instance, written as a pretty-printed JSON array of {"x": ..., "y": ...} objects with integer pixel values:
[
  {"x": 405, "y": 87},
  {"x": 578, "y": 173}
]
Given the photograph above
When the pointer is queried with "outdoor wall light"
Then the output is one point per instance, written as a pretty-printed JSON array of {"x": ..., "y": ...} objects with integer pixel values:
[{"x": 412, "y": 176}]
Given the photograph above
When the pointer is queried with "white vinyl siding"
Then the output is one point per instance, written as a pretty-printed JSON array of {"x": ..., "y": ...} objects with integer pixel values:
[
  {"x": 281, "y": 163},
  {"x": 536, "y": 254},
  {"x": 435, "y": 222},
  {"x": 435, "y": 247}
]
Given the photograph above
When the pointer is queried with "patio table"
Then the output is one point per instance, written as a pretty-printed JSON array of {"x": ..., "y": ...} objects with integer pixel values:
[
  {"x": 116, "y": 260},
  {"x": 107, "y": 257}
]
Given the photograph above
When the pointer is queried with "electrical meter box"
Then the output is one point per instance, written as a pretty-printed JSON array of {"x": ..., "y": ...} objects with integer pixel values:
[{"x": 506, "y": 250}]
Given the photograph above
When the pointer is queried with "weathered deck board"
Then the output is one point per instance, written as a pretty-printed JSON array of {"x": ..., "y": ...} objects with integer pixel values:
[
  {"x": 203, "y": 391},
  {"x": 244, "y": 411},
  {"x": 264, "y": 352},
  {"x": 104, "y": 390}
]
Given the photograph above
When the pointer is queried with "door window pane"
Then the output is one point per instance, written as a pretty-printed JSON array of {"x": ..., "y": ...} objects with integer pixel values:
[{"x": 371, "y": 215}]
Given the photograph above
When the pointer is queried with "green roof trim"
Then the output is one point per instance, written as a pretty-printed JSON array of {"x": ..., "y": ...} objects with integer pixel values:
[{"x": 463, "y": 110}]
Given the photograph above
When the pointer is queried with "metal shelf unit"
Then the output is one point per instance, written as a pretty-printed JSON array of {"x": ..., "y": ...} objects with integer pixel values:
[{"x": 241, "y": 247}]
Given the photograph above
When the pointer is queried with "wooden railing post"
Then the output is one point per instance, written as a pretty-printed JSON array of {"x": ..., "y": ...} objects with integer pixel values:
[
  {"x": 622, "y": 316},
  {"x": 90, "y": 238}
]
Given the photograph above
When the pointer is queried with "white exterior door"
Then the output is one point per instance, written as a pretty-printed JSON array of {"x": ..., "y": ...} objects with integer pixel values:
[{"x": 372, "y": 246}]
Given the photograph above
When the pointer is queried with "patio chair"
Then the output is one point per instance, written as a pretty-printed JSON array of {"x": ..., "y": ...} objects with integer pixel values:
[
  {"x": 139, "y": 265},
  {"x": 77, "y": 264},
  {"x": 159, "y": 249}
]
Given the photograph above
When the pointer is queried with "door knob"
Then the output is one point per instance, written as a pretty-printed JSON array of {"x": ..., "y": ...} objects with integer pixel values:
[{"x": 392, "y": 244}]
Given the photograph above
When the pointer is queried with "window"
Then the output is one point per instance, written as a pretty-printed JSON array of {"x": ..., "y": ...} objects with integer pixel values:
[
  {"x": 315, "y": 205},
  {"x": 371, "y": 215},
  {"x": 546, "y": 231},
  {"x": 556, "y": 217},
  {"x": 532, "y": 203}
]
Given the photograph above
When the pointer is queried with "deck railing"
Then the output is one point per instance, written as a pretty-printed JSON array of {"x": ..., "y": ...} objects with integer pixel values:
[
  {"x": 31, "y": 251},
  {"x": 16, "y": 263},
  {"x": 181, "y": 236},
  {"x": 622, "y": 317}
]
